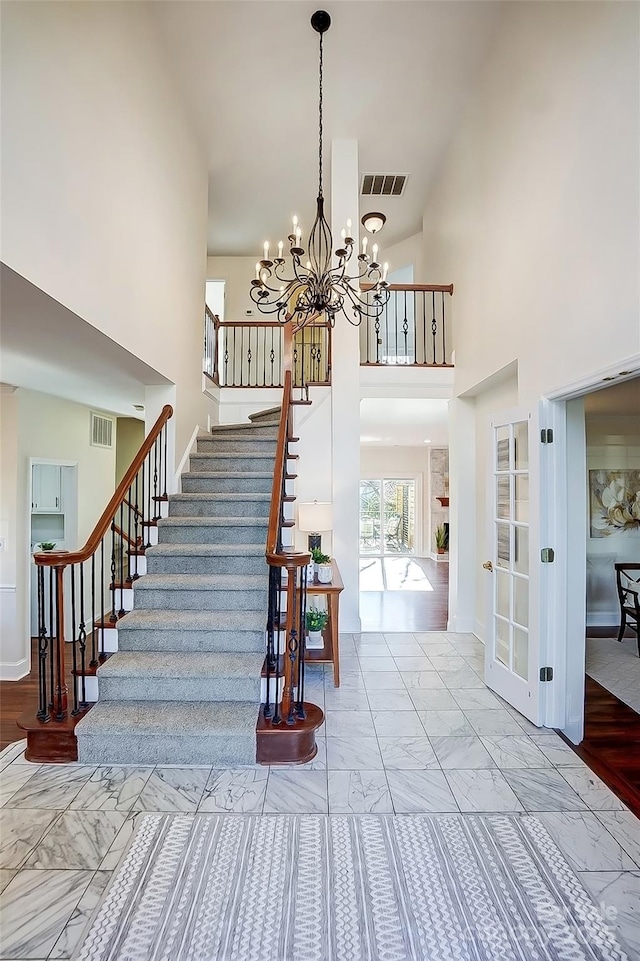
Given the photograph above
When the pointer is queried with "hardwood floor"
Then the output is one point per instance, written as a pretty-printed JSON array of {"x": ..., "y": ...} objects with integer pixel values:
[
  {"x": 611, "y": 745},
  {"x": 399, "y": 607},
  {"x": 19, "y": 696}
]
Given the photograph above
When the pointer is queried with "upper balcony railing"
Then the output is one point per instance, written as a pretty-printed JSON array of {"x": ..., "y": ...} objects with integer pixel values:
[{"x": 414, "y": 329}]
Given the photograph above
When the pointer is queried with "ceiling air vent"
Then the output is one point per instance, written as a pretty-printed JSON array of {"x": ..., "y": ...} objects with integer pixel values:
[
  {"x": 101, "y": 430},
  {"x": 383, "y": 185}
]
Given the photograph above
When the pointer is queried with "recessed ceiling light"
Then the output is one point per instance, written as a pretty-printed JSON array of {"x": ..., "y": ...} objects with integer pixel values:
[
  {"x": 426, "y": 441},
  {"x": 138, "y": 406}
]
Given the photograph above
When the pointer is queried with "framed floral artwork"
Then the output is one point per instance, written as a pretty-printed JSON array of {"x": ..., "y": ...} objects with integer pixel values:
[{"x": 614, "y": 500}]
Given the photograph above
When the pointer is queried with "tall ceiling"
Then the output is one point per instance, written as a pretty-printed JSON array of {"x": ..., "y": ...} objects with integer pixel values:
[{"x": 398, "y": 75}]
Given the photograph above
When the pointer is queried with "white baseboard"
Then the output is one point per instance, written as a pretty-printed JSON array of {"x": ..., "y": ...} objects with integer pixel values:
[
  {"x": 462, "y": 625},
  {"x": 14, "y": 671},
  {"x": 603, "y": 619}
]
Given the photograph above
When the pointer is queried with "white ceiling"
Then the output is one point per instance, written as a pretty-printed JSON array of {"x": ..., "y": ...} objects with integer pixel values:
[
  {"x": 397, "y": 76},
  {"x": 404, "y": 422},
  {"x": 48, "y": 348}
]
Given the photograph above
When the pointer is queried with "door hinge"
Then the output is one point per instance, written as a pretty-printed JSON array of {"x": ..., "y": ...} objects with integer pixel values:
[
  {"x": 546, "y": 673},
  {"x": 547, "y": 555},
  {"x": 546, "y": 435}
]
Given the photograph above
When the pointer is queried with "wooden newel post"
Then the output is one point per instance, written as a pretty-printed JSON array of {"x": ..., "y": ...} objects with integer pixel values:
[{"x": 60, "y": 699}]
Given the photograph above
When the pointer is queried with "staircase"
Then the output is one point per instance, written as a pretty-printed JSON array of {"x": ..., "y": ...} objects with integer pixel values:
[{"x": 185, "y": 684}]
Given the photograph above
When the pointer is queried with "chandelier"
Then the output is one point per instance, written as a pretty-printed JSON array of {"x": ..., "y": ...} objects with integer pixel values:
[{"x": 318, "y": 282}]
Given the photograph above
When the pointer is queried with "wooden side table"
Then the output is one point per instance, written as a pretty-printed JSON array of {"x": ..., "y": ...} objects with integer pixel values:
[{"x": 330, "y": 653}]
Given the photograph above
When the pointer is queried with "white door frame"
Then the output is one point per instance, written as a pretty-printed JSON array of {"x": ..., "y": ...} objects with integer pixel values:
[{"x": 565, "y": 506}]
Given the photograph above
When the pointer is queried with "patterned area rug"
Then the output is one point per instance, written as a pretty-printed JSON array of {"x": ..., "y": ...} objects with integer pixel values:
[{"x": 317, "y": 888}]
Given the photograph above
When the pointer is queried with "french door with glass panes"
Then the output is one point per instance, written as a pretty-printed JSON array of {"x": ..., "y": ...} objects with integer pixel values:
[
  {"x": 387, "y": 516},
  {"x": 512, "y": 644}
]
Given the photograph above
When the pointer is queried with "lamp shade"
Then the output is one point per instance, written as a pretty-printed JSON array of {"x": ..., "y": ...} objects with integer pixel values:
[{"x": 315, "y": 516}]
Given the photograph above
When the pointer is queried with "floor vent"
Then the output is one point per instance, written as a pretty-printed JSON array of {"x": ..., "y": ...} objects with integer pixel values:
[{"x": 383, "y": 185}]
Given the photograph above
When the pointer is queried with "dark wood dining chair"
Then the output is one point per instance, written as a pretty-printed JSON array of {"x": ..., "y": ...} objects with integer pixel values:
[{"x": 628, "y": 584}]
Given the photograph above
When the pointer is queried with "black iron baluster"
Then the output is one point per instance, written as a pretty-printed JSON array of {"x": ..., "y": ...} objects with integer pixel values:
[
  {"x": 156, "y": 503},
  {"x": 74, "y": 650},
  {"x": 136, "y": 536},
  {"x": 226, "y": 357},
  {"x": 301, "y": 647},
  {"x": 272, "y": 628},
  {"x": 377, "y": 330},
  {"x": 444, "y": 349},
  {"x": 102, "y": 611},
  {"x": 82, "y": 642},
  {"x": 293, "y": 644},
  {"x": 434, "y": 324},
  {"x": 128, "y": 541},
  {"x": 249, "y": 357},
  {"x": 114, "y": 617},
  {"x": 164, "y": 491},
  {"x": 415, "y": 327},
  {"x": 277, "y": 716},
  {"x": 386, "y": 325},
  {"x": 405, "y": 327},
  {"x": 121, "y": 564},
  {"x": 94, "y": 627},
  {"x": 272, "y": 354},
  {"x": 424, "y": 325},
  {"x": 58, "y": 702},
  {"x": 43, "y": 650},
  {"x": 52, "y": 636}
]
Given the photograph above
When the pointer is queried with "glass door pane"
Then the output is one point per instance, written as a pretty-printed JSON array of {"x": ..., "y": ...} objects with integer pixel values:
[
  {"x": 370, "y": 504},
  {"x": 399, "y": 516},
  {"x": 511, "y": 547}
]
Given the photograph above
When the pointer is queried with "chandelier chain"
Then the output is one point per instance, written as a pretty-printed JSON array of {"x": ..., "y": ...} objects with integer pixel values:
[{"x": 320, "y": 128}]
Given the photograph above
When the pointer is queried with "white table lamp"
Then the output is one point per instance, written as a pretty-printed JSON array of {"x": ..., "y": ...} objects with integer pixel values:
[{"x": 314, "y": 517}]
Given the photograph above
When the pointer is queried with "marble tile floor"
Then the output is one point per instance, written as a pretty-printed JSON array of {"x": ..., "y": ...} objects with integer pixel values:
[
  {"x": 616, "y": 666},
  {"x": 406, "y": 733}
]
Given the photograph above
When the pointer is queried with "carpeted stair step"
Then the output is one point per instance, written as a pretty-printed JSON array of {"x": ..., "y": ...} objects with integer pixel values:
[
  {"x": 143, "y": 676},
  {"x": 246, "y": 430},
  {"x": 206, "y": 592},
  {"x": 218, "y": 733},
  {"x": 162, "y": 630},
  {"x": 236, "y": 444},
  {"x": 206, "y": 559},
  {"x": 231, "y": 482},
  {"x": 249, "y": 461},
  {"x": 212, "y": 530},
  {"x": 219, "y": 505},
  {"x": 264, "y": 416}
]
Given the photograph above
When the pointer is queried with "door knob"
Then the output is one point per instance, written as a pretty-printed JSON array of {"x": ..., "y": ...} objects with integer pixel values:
[{"x": 488, "y": 566}]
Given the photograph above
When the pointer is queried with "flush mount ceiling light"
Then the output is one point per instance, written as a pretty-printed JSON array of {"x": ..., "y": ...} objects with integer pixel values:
[
  {"x": 373, "y": 222},
  {"x": 320, "y": 284}
]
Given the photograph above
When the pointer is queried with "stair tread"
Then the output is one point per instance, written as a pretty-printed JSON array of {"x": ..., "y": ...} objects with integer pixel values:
[
  {"x": 166, "y": 620},
  {"x": 214, "y": 522},
  {"x": 250, "y": 454},
  {"x": 221, "y": 496},
  {"x": 229, "y": 474},
  {"x": 205, "y": 550},
  {"x": 201, "y": 582},
  {"x": 265, "y": 413},
  {"x": 218, "y": 664},
  {"x": 247, "y": 425},
  {"x": 193, "y": 719},
  {"x": 239, "y": 437}
]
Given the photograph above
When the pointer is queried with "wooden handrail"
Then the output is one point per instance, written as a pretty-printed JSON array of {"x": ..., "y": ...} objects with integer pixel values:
[
  {"x": 64, "y": 558},
  {"x": 275, "y": 511},
  {"x": 436, "y": 288},
  {"x": 249, "y": 323}
]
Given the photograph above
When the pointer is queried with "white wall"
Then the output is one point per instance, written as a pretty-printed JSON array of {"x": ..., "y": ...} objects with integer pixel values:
[
  {"x": 534, "y": 216},
  {"x": 104, "y": 186},
  {"x": 237, "y": 273},
  {"x": 48, "y": 428},
  {"x": 403, "y": 253},
  {"x": 396, "y": 462},
  {"x": 12, "y": 653},
  {"x": 613, "y": 443}
]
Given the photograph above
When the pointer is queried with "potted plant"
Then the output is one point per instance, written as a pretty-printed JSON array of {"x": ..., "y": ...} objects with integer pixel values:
[
  {"x": 316, "y": 623},
  {"x": 442, "y": 539},
  {"x": 324, "y": 570},
  {"x": 47, "y": 545}
]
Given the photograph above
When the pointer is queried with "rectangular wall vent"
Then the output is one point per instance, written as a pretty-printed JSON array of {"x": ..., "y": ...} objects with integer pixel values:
[
  {"x": 101, "y": 430},
  {"x": 383, "y": 185}
]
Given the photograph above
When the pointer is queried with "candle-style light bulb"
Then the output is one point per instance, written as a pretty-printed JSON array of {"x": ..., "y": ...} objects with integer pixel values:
[
  {"x": 295, "y": 223},
  {"x": 308, "y": 265},
  {"x": 298, "y": 236},
  {"x": 343, "y": 234},
  {"x": 374, "y": 252},
  {"x": 258, "y": 271},
  {"x": 280, "y": 249},
  {"x": 265, "y": 277},
  {"x": 348, "y": 228},
  {"x": 365, "y": 241},
  {"x": 385, "y": 270},
  {"x": 266, "y": 250}
]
